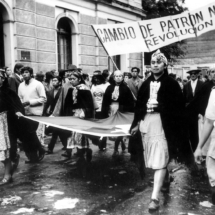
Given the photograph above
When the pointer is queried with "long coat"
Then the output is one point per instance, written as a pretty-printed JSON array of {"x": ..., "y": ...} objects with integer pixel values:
[
  {"x": 125, "y": 99},
  {"x": 172, "y": 111},
  {"x": 188, "y": 92},
  {"x": 51, "y": 101},
  {"x": 84, "y": 101}
]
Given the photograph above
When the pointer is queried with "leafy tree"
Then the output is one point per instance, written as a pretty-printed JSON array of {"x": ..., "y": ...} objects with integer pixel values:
[{"x": 161, "y": 8}]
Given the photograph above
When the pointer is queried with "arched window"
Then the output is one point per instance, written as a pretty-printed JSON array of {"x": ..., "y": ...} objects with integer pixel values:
[
  {"x": 2, "y": 56},
  {"x": 64, "y": 41}
]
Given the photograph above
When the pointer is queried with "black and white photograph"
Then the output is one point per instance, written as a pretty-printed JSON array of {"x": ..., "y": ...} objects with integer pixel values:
[{"x": 107, "y": 107}]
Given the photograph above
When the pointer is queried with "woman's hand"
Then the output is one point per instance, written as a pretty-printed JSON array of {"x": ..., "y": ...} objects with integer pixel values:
[
  {"x": 198, "y": 155},
  {"x": 19, "y": 114},
  {"x": 134, "y": 130}
]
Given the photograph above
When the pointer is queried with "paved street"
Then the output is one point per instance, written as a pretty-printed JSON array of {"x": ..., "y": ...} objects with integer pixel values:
[{"x": 109, "y": 186}]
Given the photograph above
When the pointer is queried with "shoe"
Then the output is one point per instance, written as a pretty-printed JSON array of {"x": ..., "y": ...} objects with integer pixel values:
[
  {"x": 48, "y": 152},
  {"x": 102, "y": 149},
  {"x": 5, "y": 181},
  {"x": 154, "y": 205},
  {"x": 67, "y": 155},
  {"x": 15, "y": 163},
  {"x": 115, "y": 153},
  {"x": 32, "y": 157},
  {"x": 42, "y": 153}
]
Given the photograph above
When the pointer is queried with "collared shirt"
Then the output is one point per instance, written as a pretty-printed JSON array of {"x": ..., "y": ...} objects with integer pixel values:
[{"x": 193, "y": 85}]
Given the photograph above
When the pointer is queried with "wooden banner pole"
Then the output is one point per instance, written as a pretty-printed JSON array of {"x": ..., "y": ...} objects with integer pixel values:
[{"x": 105, "y": 48}]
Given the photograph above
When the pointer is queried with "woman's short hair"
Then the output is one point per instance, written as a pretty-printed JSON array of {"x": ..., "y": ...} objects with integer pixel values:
[
  {"x": 211, "y": 70},
  {"x": 78, "y": 75},
  {"x": 118, "y": 71},
  {"x": 138, "y": 70},
  {"x": 48, "y": 77},
  {"x": 58, "y": 78}
]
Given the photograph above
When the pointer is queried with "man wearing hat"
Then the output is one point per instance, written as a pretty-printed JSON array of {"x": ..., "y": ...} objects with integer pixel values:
[{"x": 191, "y": 91}]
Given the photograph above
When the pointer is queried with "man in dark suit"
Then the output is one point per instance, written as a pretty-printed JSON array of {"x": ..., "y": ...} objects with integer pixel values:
[
  {"x": 190, "y": 91},
  {"x": 52, "y": 98},
  {"x": 17, "y": 75}
]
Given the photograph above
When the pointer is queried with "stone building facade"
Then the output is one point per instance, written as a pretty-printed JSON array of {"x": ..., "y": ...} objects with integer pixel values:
[{"x": 51, "y": 34}]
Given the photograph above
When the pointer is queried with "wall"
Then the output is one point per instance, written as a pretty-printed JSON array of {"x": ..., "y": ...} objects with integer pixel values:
[
  {"x": 35, "y": 32},
  {"x": 34, "y": 29}
]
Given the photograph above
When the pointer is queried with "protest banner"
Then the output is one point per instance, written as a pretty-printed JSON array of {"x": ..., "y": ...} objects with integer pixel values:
[
  {"x": 149, "y": 35},
  {"x": 120, "y": 38}
]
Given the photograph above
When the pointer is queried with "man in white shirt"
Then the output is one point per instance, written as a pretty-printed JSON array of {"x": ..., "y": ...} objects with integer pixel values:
[
  {"x": 190, "y": 91},
  {"x": 32, "y": 95}
]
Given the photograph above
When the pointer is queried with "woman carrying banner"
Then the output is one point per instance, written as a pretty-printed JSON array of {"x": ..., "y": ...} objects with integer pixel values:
[
  {"x": 159, "y": 115},
  {"x": 10, "y": 108},
  {"x": 78, "y": 103},
  {"x": 98, "y": 90},
  {"x": 117, "y": 97}
]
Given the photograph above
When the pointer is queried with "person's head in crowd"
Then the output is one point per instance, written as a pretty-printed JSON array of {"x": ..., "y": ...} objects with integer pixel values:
[
  {"x": 118, "y": 77},
  {"x": 106, "y": 75},
  {"x": 135, "y": 72},
  {"x": 17, "y": 68},
  {"x": 27, "y": 73},
  {"x": 185, "y": 81},
  {"x": 69, "y": 70},
  {"x": 194, "y": 74},
  {"x": 127, "y": 76},
  {"x": 206, "y": 78},
  {"x": 86, "y": 77},
  {"x": 80, "y": 70},
  {"x": 55, "y": 72},
  {"x": 178, "y": 79},
  {"x": 211, "y": 74},
  {"x": 140, "y": 76},
  {"x": 56, "y": 82},
  {"x": 68, "y": 73},
  {"x": 62, "y": 74},
  {"x": 188, "y": 77},
  {"x": 97, "y": 78},
  {"x": 48, "y": 77},
  {"x": 3, "y": 79},
  {"x": 158, "y": 64},
  {"x": 8, "y": 71},
  {"x": 76, "y": 78},
  {"x": 40, "y": 76}
]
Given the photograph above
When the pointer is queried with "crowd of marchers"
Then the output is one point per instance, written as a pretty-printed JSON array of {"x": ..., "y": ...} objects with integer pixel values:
[{"x": 166, "y": 111}]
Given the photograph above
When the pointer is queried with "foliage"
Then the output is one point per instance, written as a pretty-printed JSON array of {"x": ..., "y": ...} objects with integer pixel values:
[{"x": 161, "y": 8}]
